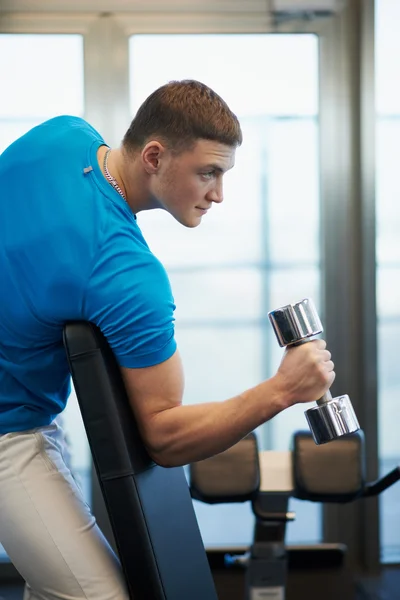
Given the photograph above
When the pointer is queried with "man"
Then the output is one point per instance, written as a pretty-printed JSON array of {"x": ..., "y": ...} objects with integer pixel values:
[{"x": 71, "y": 249}]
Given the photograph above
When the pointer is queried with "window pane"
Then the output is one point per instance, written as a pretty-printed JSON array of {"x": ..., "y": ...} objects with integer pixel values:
[
  {"x": 388, "y": 189},
  {"x": 293, "y": 284},
  {"x": 388, "y": 417},
  {"x": 245, "y": 258},
  {"x": 389, "y": 387},
  {"x": 258, "y": 76},
  {"x": 387, "y": 55},
  {"x": 307, "y": 527},
  {"x": 388, "y": 291},
  {"x": 44, "y": 77},
  {"x": 223, "y": 294},
  {"x": 219, "y": 362},
  {"x": 225, "y": 525},
  {"x": 34, "y": 85},
  {"x": 293, "y": 198},
  {"x": 387, "y": 50}
]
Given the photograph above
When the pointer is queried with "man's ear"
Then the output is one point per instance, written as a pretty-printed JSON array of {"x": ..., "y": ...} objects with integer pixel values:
[{"x": 151, "y": 156}]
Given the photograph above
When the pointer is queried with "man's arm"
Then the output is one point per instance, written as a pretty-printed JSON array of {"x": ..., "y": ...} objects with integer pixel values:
[{"x": 175, "y": 434}]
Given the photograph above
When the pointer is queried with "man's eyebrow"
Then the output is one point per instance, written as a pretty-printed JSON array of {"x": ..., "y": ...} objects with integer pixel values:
[{"x": 214, "y": 167}]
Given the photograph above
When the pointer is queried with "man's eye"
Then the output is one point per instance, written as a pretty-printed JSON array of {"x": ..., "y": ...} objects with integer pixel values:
[{"x": 208, "y": 174}]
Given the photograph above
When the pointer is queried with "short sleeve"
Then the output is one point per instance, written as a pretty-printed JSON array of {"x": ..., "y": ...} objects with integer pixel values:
[{"x": 129, "y": 298}]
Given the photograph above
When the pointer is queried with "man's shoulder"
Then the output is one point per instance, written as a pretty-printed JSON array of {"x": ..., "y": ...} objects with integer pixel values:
[
  {"x": 54, "y": 135},
  {"x": 69, "y": 124}
]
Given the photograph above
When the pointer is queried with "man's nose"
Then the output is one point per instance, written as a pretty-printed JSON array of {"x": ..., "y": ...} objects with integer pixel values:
[{"x": 216, "y": 194}]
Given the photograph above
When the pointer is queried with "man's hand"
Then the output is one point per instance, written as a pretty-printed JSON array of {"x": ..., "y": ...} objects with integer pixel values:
[{"x": 306, "y": 372}]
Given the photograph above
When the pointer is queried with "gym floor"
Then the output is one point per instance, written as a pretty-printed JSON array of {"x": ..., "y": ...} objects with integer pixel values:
[{"x": 385, "y": 587}]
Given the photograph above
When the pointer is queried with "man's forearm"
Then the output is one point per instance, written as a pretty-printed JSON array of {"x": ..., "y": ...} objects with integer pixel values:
[{"x": 189, "y": 433}]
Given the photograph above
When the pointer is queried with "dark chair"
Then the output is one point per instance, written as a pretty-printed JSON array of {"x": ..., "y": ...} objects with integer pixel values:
[{"x": 150, "y": 508}]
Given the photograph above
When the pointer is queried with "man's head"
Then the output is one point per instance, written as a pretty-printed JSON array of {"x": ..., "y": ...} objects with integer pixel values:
[
  {"x": 179, "y": 114},
  {"x": 186, "y": 137}
]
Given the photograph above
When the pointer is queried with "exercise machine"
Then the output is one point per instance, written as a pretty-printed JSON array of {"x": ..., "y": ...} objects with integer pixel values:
[{"x": 319, "y": 473}]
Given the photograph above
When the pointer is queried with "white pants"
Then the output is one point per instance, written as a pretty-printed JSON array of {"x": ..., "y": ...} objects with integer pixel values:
[{"x": 46, "y": 528}]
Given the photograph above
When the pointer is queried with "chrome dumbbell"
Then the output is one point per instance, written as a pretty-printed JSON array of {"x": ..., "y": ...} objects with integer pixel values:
[{"x": 331, "y": 417}]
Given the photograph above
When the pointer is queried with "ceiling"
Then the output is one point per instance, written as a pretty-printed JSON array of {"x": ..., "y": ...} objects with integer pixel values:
[
  {"x": 111, "y": 6},
  {"x": 168, "y": 6}
]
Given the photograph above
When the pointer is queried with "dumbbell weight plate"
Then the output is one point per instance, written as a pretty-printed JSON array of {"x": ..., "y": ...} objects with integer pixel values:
[
  {"x": 333, "y": 419},
  {"x": 295, "y": 323}
]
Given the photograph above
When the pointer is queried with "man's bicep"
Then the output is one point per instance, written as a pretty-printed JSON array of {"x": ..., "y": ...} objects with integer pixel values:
[{"x": 152, "y": 390}]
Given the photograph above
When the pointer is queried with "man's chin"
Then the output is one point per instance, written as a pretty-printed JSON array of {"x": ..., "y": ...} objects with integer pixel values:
[{"x": 189, "y": 222}]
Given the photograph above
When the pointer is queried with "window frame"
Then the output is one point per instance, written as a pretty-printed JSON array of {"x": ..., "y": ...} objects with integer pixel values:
[{"x": 347, "y": 121}]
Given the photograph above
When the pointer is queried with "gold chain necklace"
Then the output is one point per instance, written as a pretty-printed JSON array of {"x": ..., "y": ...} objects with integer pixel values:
[{"x": 110, "y": 178}]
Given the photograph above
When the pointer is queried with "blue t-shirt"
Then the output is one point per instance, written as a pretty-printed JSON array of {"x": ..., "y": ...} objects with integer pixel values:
[{"x": 70, "y": 249}]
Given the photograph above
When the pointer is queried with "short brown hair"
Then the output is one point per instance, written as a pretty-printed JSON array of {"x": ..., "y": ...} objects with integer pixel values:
[{"x": 180, "y": 113}]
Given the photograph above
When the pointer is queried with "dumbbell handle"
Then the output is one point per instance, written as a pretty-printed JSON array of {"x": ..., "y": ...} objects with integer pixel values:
[{"x": 327, "y": 396}]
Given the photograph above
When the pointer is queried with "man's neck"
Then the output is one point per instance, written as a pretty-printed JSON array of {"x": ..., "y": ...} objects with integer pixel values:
[{"x": 130, "y": 178}]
